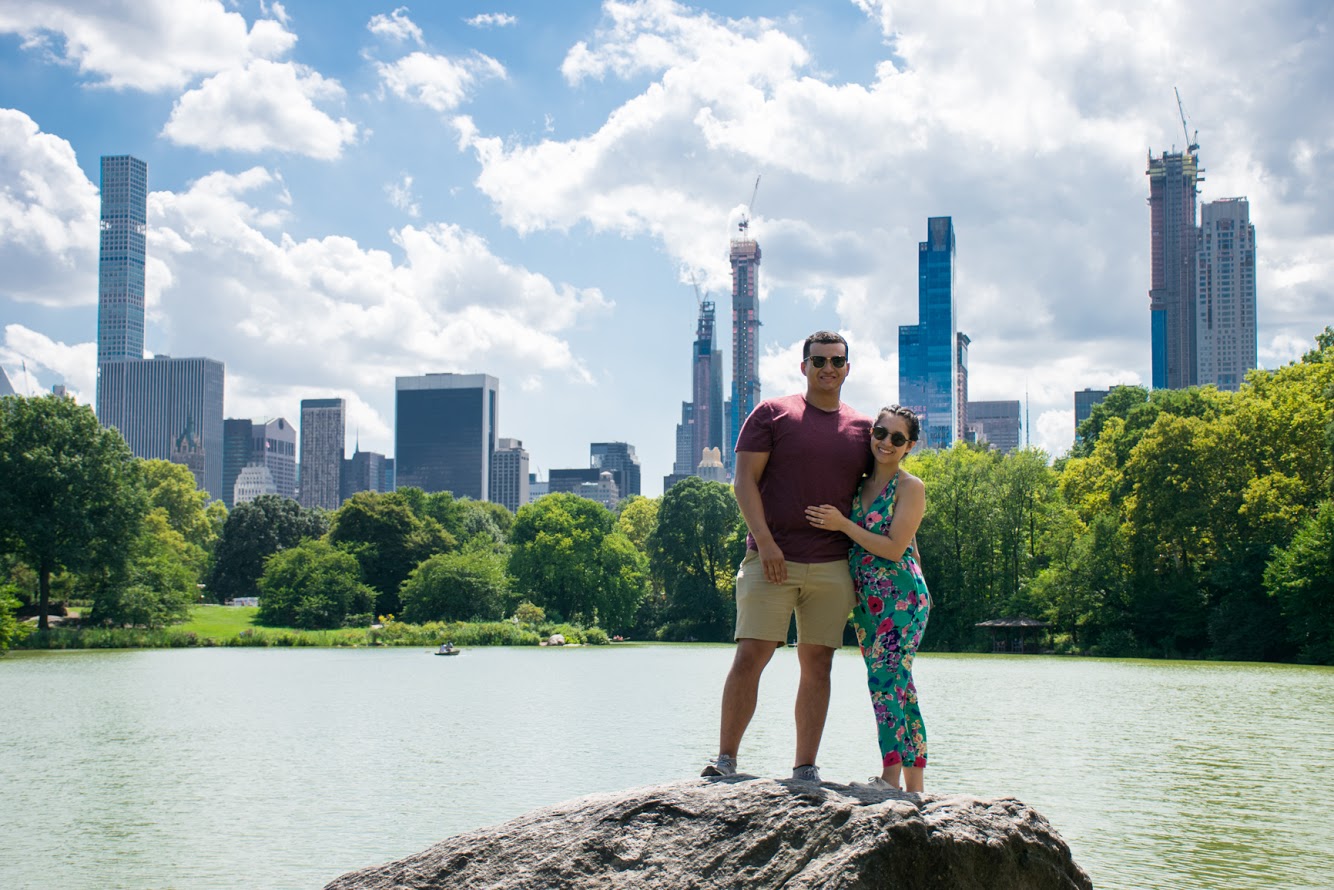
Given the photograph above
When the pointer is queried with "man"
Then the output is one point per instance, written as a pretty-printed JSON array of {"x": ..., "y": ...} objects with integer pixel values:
[{"x": 792, "y": 452}]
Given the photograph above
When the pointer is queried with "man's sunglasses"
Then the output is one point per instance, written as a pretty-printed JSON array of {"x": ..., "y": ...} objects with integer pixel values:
[
  {"x": 817, "y": 361},
  {"x": 898, "y": 440}
]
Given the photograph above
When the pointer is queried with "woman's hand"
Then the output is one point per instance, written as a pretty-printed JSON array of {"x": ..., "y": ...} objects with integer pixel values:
[{"x": 828, "y": 517}]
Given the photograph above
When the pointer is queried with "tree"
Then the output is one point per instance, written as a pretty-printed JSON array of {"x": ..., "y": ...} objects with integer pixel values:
[
  {"x": 388, "y": 539},
  {"x": 693, "y": 560},
  {"x": 623, "y": 585},
  {"x": 555, "y": 554},
  {"x": 465, "y": 586},
  {"x": 313, "y": 585},
  {"x": 1301, "y": 578},
  {"x": 11, "y": 629},
  {"x": 636, "y": 518},
  {"x": 71, "y": 497},
  {"x": 253, "y": 532},
  {"x": 155, "y": 586},
  {"x": 171, "y": 488}
]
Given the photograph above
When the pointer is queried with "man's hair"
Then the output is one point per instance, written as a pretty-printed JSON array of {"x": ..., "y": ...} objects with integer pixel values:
[
  {"x": 822, "y": 337},
  {"x": 909, "y": 417}
]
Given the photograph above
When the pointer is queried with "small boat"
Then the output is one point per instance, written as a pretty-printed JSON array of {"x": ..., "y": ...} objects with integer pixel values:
[{"x": 448, "y": 649}]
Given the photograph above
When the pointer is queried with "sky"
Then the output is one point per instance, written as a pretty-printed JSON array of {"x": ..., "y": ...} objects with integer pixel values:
[{"x": 345, "y": 192}]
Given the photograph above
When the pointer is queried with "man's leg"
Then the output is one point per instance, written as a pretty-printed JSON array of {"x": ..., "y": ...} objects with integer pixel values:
[
  {"x": 812, "y": 699},
  {"x": 741, "y": 691}
]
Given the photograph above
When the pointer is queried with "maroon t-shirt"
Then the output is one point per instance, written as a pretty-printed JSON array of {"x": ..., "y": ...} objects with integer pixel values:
[{"x": 815, "y": 457}]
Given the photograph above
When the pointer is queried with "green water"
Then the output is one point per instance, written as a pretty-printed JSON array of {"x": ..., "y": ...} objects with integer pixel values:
[{"x": 283, "y": 768}]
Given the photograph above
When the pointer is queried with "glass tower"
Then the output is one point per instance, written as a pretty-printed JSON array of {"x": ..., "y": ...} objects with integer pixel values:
[
  {"x": 745, "y": 255},
  {"x": 445, "y": 433},
  {"x": 121, "y": 254},
  {"x": 1173, "y": 189},
  {"x": 929, "y": 351}
]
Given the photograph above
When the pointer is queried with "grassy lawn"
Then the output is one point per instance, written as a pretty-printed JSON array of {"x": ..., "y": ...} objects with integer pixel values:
[{"x": 220, "y": 621}]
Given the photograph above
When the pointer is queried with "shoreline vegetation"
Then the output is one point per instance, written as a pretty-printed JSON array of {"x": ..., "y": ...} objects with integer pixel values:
[{"x": 220, "y": 626}]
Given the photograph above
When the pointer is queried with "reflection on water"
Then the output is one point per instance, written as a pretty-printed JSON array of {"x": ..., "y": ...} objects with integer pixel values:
[{"x": 283, "y": 768}]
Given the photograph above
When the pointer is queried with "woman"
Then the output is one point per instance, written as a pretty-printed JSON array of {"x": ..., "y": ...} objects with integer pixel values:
[{"x": 892, "y": 599}]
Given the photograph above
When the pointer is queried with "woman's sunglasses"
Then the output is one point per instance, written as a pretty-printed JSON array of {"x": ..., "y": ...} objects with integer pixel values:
[
  {"x": 817, "y": 361},
  {"x": 898, "y": 440}
]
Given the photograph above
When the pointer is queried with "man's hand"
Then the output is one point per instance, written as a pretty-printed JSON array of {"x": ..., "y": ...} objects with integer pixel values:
[{"x": 775, "y": 566}]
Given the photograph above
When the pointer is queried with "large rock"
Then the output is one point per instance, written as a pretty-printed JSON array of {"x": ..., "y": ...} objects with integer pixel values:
[{"x": 748, "y": 832}]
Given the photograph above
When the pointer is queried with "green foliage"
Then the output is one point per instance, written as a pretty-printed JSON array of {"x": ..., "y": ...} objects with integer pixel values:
[
  {"x": 694, "y": 558},
  {"x": 312, "y": 585},
  {"x": 171, "y": 488},
  {"x": 560, "y": 560},
  {"x": 252, "y": 533},
  {"x": 155, "y": 586},
  {"x": 529, "y": 615},
  {"x": 388, "y": 539},
  {"x": 466, "y": 586},
  {"x": 12, "y": 631},
  {"x": 72, "y": 498},
  {"x": 1301, "y": 579}
]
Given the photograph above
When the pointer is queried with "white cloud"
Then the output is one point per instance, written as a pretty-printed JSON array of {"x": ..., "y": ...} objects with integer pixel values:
[
  {"x": 75, "y": 365},
  {"x": 264, "y": 106},
  {"x": 1039, "y": 156},
  {"x": 395, "y": 26},
  {"x": 492, "y": 20},
  {"x": 146, "y": 44},
  {"x": 438, "y": 82},
  {"x": 328, "y": 314},
  {"x": 48, "y": 217},
  {"x": 400, "y": 195}
]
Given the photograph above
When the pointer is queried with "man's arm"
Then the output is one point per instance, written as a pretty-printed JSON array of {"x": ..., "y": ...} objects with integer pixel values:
[{"x": 749, "y": 467}]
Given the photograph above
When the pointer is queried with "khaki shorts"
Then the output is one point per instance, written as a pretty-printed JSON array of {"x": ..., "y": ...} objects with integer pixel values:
[{"x": 821, "y": 594}]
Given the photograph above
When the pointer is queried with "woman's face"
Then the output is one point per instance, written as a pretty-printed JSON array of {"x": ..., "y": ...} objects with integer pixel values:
[{"x": 895, "y": 430}]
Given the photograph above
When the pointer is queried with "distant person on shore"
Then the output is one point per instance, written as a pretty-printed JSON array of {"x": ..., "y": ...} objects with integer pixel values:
[
  {"x": 892, "y": 600},
  {"x": 793, "y": 451}
]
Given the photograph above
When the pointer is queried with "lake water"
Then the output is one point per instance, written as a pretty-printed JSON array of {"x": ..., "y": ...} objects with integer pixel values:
[{"x": 220, "y": 768}]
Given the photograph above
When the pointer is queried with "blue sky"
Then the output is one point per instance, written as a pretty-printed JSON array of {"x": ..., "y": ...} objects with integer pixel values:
[{"x": 343, "y": 192}]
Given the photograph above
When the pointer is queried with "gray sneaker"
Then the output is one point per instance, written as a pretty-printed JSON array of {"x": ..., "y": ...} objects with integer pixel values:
[
  {"x": 808, "y": 773},
  {"x": 722, "y": 765}
]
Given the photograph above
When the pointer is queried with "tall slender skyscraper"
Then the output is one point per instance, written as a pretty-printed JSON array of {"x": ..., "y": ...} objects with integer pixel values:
[
  {"x": 445, "y": 433},
  {"x": 706, "y": 385},
  {"x": 323, "y": 432},
  {"x": 509, "y": 474},
  {"x": 1173, "y": 189},
  {"x": 929, "y": 351},
  {"x": 1225, "y": 324},
  {"x": 745, "y": 255},
  {"x": 121, "y": 258}
]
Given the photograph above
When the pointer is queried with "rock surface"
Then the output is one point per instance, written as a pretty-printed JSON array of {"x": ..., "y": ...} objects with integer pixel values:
[{"x": 744, "y": 831}]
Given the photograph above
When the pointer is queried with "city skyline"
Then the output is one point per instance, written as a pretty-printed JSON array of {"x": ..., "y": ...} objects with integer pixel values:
[{"x": 343, "y": 195}]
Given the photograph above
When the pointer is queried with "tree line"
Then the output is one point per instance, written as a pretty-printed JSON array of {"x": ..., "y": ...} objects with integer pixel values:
[{"x": 1183, "y": 523}]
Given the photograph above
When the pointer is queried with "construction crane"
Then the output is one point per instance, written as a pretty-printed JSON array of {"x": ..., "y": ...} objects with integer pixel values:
[
  {"x": 745, "y": 217},
  {"x": 699, "y": 301},
  {"x": 1192, "y": 142}
]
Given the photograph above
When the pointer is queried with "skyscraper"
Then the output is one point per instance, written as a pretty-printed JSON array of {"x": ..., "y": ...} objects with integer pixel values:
[
  {"x": 706, "y": 369},
  {"x": 1225, "y": 324},
  {"x": 445, "y": 433},
  {"x": 509, "y": 474},
  {"x": 745, "y": 255},
  {"x": 5, "y": 388},
  {"x": 151, "y": 402},
  {"x": 996, "y": 423},
  {"x": 323, "y": 432},
  {"x": 364, "y": 471},
  {"x": 617, "y": 456},
  {"x": 121, "y": 258},
  {"x": 1085, "y": 399},
  {"x": 929, "y": 350},
  {"x": 1173, "y": 189},
  {"x": 273, "y": 444}
]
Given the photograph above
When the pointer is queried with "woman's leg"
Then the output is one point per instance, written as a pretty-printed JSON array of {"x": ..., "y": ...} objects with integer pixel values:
[{"x": 874, "y": 620}]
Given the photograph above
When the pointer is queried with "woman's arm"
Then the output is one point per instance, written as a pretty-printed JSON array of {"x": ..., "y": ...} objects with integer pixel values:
[{"x": 909, "y": 505}]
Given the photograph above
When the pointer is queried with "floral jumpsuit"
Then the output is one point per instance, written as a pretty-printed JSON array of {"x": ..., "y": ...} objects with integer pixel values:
[{"x": 890, "y": 616}]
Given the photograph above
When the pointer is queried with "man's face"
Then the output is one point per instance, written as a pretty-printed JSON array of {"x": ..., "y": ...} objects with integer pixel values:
[{"x": 829, "y": 378}]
